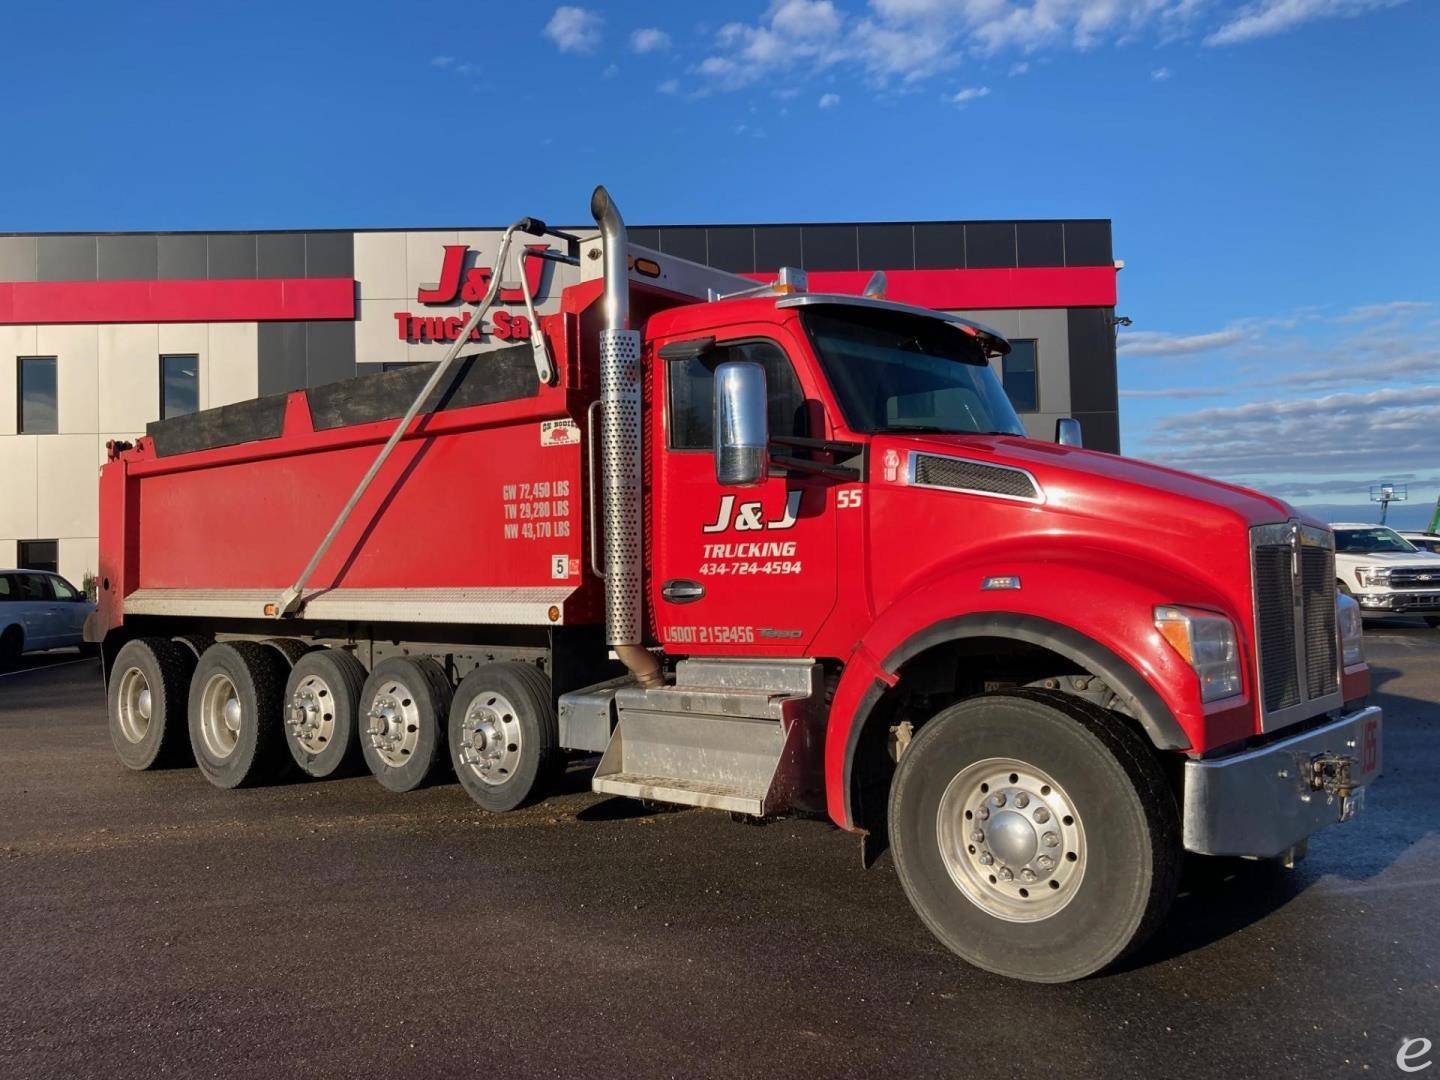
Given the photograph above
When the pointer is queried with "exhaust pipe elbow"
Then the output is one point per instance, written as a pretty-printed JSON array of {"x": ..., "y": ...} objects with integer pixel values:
[{"x": 616, "y": 246}]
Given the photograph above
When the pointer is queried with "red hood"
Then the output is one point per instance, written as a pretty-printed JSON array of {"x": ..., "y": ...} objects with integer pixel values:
[{"x": 1095, "y": 484}]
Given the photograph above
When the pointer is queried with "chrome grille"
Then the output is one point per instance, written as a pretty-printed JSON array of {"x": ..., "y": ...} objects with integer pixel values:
[{"x": 1299, "y": 654}]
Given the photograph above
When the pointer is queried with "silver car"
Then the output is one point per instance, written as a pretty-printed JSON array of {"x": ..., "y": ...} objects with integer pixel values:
[{"x": 38, "y": 610}]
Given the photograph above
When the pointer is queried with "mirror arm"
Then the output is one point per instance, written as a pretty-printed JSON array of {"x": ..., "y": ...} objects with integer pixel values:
[{"x": 837, "y": 472}]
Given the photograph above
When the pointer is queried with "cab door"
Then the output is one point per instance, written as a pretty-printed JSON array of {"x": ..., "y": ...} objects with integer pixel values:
[{"x": 738, "y": 570}]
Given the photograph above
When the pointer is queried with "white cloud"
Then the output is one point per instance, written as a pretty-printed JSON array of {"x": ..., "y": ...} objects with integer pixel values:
[
  {"x": 1266, "y": 18},
  {"x": 574, "y": 29},
  {"x": 611, "y": 70},
  {"x": 442, "y": 61},
  {"x": 829, "y": 101},
  {"x": 1019, "y": 69},
  {"x": 1160, "y": 74},
  {"x": 649, "y": 39},
  {"x": 1391, "y": 308},
  {"x": 1159, "y": 343},
  {"x": 968, "y": 94},
  {"x": 669, "y": 86},
  {"x": 1175, "y": 392}
]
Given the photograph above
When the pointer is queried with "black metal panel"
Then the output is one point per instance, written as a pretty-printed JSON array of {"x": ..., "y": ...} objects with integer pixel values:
[
  {"x": 1087, "y": 243},
  {"x": 232, "y": 255},
  {"x": 229, "y": 425},
  {"x": 649, "y": 238},
  {"x": 1092, "y": 360},
  {"x": 989, "y": 244},
  {"x": 329, "y": 352},
  {"x": 776, "y": 246},
  {"x": 684, "y": 243},
  {"x": 66, "y": 258},
  {"x": 830, "y": 247},
  {"x": 281, "y": 356},
  {"x": 1040, "y": 243},
  {"x": 481, "y": 379},
  {"x": 330, "y": 254},
  {"x": 940, "y": 246},
  {"x": 732, "y": 249},
  {"x": 182, "y": 257},
  {"x": 887, "y": 247},
  {"x": 1101, "y": 430},
  {"x": 128, "y": 258},
  {"x": 280, "y": 255}
]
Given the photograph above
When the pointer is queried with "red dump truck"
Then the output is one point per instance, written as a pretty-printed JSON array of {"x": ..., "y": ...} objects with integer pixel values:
[{"x": 763, "y": 550}]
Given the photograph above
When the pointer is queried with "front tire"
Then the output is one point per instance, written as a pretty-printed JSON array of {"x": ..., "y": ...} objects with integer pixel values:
[
  {"x": 148, "y": 687},
  {"x": 1035, "y": 835},
  {"x": 403, "y": 712},
  {"x": 504, "y": 737},
  {"x": 235, "y": 700}
]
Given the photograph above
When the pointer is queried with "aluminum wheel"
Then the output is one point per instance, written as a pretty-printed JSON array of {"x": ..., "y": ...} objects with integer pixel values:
[
  {"x": 310, "y": 714},
  {"x": 393, "y": 723},
  {"x": 134, "y": 705},
  {"x": 220, "y": 715},
  {"x": 490, "y": 740},
  {"x": 1011, "y": 839}
]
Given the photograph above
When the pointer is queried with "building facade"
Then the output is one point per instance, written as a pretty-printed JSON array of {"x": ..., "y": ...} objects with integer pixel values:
[{"x": 101, "y": 334}]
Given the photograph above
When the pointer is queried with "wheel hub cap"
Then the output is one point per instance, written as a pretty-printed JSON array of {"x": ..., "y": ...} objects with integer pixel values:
[
  {"x": 1011, "y": 839},
  {"x": 490, "y": 738},
  {"x": 134, "y": 705},
  {"x": 311, "y": 716},
  {"x": 393, "y": 724},
  {"x": 221, "y": 716}
]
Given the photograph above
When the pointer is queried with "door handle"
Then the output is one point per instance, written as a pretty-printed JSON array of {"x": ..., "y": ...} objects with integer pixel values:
[{"x": 681, "y": 591}]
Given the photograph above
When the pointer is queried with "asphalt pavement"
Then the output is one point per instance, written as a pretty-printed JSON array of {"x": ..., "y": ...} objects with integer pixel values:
[{"x": 152, "y": 925}]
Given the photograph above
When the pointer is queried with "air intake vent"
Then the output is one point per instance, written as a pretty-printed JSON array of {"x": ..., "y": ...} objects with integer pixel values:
[
  {"x": 1294, "y": 568},
  {"x": 975, "y": 477}
]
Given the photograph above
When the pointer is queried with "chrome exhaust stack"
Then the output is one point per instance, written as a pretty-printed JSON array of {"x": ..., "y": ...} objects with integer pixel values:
[{"x": 620, "y": 453}]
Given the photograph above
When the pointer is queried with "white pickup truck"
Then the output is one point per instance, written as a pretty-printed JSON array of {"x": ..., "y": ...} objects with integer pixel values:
[{"x": 1385, "y": 573}]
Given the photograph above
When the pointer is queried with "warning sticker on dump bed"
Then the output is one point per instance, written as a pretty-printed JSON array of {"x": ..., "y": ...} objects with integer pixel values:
[{"x": 559, "y": 433}]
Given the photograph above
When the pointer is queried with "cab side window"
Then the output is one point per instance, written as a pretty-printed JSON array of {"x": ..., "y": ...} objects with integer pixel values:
[{"x": 692, "y": 393}]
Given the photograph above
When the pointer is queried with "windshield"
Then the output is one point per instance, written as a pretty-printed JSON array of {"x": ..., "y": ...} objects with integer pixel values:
[
  {"x": 893, "y": 371},
  {"x": 1369, "y": 541}
]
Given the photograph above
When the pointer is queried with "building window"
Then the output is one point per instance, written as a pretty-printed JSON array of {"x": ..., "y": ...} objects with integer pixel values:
[
  {"x": 40, "y": 555},
  {"x": 39, "y": 411},
  {"x": 179, "y": 385},
  {"x": 1020, "y": 371}
]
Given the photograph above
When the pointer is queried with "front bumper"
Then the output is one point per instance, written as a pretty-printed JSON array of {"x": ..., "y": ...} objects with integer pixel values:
[
  {"x": 1265, "y": 801},
  {"x": 1400, "y": 601}
]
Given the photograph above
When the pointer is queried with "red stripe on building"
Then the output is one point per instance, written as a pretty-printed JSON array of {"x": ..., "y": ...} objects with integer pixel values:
[
  {"x": 231, "y": 300},
  {"x": 1024, "y": 287}
]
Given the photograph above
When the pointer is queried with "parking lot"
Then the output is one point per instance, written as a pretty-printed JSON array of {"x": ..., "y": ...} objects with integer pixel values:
[{"x": 154, "y": 925}]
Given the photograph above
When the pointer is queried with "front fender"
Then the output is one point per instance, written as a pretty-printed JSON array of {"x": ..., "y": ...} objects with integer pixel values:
[{"x": 1100, "y": 620}]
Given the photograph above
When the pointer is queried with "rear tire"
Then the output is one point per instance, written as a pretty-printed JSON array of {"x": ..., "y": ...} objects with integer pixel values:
[
  {"x": 1072, "y": 869},
  {"x": 322, "y": 707},
  {"x": 12, "y": 644},
  {"x": 504, "y": 737},
  {"x": 290, "y": 649},
  {"x": 148, "y": 687},
  {"x": 235, "y": 699},
  {"x": 403, "y": 710}
]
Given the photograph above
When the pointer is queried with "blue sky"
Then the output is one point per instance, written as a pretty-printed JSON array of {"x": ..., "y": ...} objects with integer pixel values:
[{"x": 1270, "y": 165}]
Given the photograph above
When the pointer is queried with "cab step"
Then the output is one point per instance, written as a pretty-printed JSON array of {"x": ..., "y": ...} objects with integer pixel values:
[{"x": 738, "y": 735}]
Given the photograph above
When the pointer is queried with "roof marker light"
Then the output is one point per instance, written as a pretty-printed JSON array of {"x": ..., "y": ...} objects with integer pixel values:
[{"x": 875, "y": 287}]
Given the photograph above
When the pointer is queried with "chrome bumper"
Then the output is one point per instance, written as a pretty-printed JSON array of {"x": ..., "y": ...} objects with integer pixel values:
[{"x": 1262, "y": 802}]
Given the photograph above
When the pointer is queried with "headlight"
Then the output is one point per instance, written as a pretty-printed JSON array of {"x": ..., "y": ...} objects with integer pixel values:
[
  {"x": 1352, "y": 629},
  {"x": 1370, "y": 576},
  {"x": 1207, "y": 643}
]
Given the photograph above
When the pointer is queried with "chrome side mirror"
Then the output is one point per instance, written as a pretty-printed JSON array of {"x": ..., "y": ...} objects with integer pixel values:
[
  {"x": 742, "y": 424},
  {"x": 1067, "y": 432}
]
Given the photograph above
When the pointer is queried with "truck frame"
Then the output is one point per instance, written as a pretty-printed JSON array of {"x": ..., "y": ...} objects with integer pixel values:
[{"x": 762, "y": 550}]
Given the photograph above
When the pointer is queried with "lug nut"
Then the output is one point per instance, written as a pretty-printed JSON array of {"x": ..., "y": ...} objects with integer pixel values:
[
  {"x": 1027, "y": 874},
  {"x": 1050, "y": 839},
  {"x": 978, "y": 836},
  {"x": 1004, "y": 873},
  {"x": 1044, "y": 862},
  {"x": 1022, "y": 800},
  {"x": 998, "y": 799},
  {"x": 986, "y": 858},
  {"x": 1042, "y": 815},
  {"x": 983, "y": 813}
]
